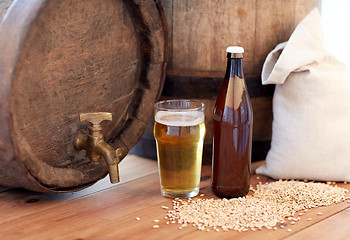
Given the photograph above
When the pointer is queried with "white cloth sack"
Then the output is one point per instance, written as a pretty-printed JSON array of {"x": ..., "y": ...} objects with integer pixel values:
[{"x": 311, "y": 108}]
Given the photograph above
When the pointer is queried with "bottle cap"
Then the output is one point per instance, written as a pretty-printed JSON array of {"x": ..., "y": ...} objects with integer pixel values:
[{"x": 235, "y": 49}]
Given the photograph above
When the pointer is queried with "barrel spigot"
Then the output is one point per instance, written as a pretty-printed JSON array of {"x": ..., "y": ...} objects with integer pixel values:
[{"x": 95, "y": 145}]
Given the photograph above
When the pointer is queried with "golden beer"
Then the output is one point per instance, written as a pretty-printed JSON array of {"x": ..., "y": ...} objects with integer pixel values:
[{"x": 179, "y": 137}]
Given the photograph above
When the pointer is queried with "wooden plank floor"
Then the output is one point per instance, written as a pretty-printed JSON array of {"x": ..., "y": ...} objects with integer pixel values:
[{"x": 106, "y": 211}]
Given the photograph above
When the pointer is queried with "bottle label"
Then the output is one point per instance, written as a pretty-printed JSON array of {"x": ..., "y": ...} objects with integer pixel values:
[{"x": 235, "y": 91}]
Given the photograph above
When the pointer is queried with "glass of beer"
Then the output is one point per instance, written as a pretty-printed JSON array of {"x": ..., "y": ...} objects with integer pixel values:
[{"x": 179, "y": 130}]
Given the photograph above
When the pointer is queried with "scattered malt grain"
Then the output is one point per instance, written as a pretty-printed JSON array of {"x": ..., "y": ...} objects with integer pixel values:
[{"x": 270, "y": 204}]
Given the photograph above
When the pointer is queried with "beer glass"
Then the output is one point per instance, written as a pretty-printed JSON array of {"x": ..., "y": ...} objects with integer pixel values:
[{"x": 179, "y": 130}]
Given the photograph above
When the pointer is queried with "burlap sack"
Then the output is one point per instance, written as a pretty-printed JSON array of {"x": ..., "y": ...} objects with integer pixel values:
[{"x": 311, "y": 108}]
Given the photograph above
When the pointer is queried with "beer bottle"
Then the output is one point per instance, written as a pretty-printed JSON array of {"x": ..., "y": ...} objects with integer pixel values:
[{"x": 233, "y": 125}]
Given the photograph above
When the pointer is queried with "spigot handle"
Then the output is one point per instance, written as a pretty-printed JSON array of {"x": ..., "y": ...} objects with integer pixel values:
[{"x": 95, "y": 118}]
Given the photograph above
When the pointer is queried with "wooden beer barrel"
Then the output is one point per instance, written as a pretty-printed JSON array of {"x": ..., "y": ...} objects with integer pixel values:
[
  {"x": 200, "y": 31},
  {"x": 60, "y": 58}
]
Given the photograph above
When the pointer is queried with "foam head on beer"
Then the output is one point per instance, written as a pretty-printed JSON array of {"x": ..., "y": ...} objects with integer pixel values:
[{"x": 190, "y": 118}]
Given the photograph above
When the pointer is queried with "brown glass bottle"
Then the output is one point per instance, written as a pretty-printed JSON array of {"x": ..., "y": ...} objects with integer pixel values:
[{"x": 232, "y": 138}]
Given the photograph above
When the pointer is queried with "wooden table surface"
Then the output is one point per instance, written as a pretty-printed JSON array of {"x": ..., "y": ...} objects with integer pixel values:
[{"x": 105, "y": 211}]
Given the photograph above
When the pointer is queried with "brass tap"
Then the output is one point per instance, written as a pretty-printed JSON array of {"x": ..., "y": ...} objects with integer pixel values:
[{"x": 95, "y": 145}]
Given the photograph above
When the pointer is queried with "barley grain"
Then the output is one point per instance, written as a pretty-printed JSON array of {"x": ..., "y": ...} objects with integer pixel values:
[{"x": 270, "y": 204}]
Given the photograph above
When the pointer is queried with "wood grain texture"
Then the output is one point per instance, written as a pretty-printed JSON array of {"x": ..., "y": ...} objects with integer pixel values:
[
  {"x": 334, "y": 227},
  {"x": 62, "y": 58},
  {"x": 15, "y": 203},
  {"x": 201, "y": 30},
  {"x": 110, "y": 212}
]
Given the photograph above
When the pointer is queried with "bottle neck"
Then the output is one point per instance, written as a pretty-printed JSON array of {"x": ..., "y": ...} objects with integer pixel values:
[{"x": 234, "y": 67}]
